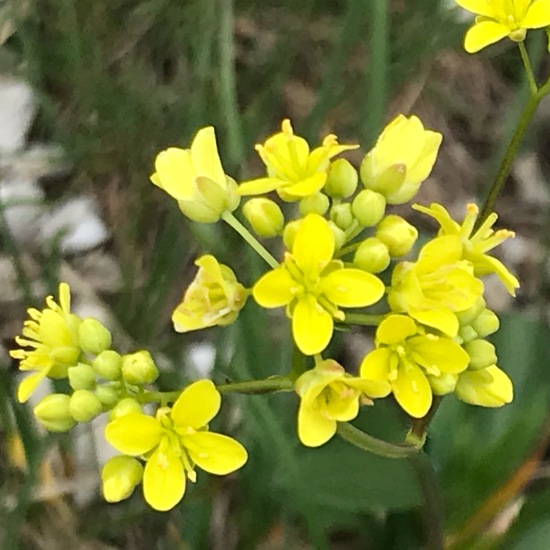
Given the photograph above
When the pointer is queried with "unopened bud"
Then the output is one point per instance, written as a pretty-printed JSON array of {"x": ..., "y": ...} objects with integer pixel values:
[
  {"x": 53, "y": 413},
  {"x": 467, "y": 334},
  {"x": 81, "y": 377},
  {"x": 397, "y": 234},
  {"x": 486, "y": 323},
  {"x": 139, "y": 368},
  {"x": 368, "y": 207},
  {"x": 342, "y": 180},
  {"x": 443, "y": 384},
  {"x": 120, "y": 475},
  {"x": 108, "y": 395},
  {"x": 341, "y": 215},
  {"x": 314, "y": 204},
  {"x": 482, "y": 354},
  {"x": 125, "y": 406},
  {"x": 289, "y": 233},
  {"x": 108, "y": 365},
  {"x": 84, "y": 405},
  {"x": 372, "y": 256},
  {"x": 467, "y": 317},
  {"x": 93, "y": 336},
  {"x": 490, "y": 387},
  {"x": 265, "y": 216},
  {"x": 339, "y": 235}
]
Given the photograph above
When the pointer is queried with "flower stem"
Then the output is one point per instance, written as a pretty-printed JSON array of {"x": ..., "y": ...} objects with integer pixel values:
[
  {"x": 250, "y": 239},
  {"x": 363, "y": 319},
  {"x": 511, "y": 151},
  {"x": 528, "y": 68},
  {"x": 374, "y": 445}
]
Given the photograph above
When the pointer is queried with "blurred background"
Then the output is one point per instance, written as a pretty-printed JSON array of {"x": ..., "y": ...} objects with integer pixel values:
[{"x": 89, "y": 93}]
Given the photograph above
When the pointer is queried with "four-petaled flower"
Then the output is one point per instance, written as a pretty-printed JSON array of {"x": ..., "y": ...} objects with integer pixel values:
[
  {"x": 406, "y": 356},
  {"x": 174, "y": 442},
  {"x": 476, "y": 243},
  {"x": 313, "y": 286},
  {"x": 330, "y": 395},
  {"x": 52, "y": 335},
  {"x": 293, "y": 170},
  {"x": 497, "y": 19}
]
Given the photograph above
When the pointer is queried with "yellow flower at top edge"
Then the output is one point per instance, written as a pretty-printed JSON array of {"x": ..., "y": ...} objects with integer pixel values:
[
  {"x": 51, "y": 339},
  {"x": 313, "y": 286},
  {"x": 174, "y": 442},
  {"x": 330, "y": 395},
  {"x": 214, "y": 297},
  {"x": 196, "y": 179},
  {"x": 477, "y": 243},
  {"x": 437, "y": 286},
  {"x": 293, "y": 170},
  {"x": 498, "y": 19},
  {"x": 406, "y": 358}
]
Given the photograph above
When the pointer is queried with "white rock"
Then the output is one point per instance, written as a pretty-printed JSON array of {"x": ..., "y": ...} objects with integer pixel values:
[
  {"x": 200, "y": 359},
  {"x": 16, "y": 113},
  {"x": 532, "y": 186}
]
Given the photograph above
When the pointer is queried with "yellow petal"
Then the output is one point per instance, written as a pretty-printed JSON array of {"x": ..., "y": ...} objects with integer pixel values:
[
  {"x": 198, "y": 404},
  {"x": 485, "y": 264},
  {"x": 312, "y": 382},
  {"x": 484, "y": 34},
  {"x": 442, "y": 353},
  {"x": 175, "y": 173},
  {"x": 377, "y": 365},
  {"x": 412, "y": 391},
  {"x": 215, "y": 453},
  {"x": 259, "y": 186},
  {"x": 538, "y": 15},
  {"x": 490, "y": 387},
  {"x": 314, "y": 429},
  {"x": 163, "y": 481},
  {"x": 442, "y": 319},
  {"x": 479, "y": 7},
  {"x": 65, "y": 297},
  {"x": 341, "y": 410},
  {"x": 205, "y": 157},
  {"x": 395, "y": 328},
  {"x": 314, "y": 244},
  {"x": 28, "y": 385},
  {"x": 134, "y": 434},
  {"x": 305, "y": 188},
  {"x": 274, "y": 289},
  {"x": 371, "y": 388},
  {"x": 312, "y": 326},
  {"x": 423, "y": 167},
  {"x": 352, "y": 288}
]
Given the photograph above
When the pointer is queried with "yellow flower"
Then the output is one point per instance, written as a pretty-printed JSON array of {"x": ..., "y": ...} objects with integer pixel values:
[
  {"x": 196, "y": 179},
  {"x": 330, "y": 395},
  {"x": 214, "y": 297},
  {"x": 405, "y": 357},
  {"x": 312, "y": 285},
  {"x": 437, "y": 286},
  {"x": 497, "y": 19},
  {"x": 476, "y": 244},
  {"x": 401, "y": 160},
  {"x": 489, "y": 387},
  {"x": 52, "y": 335},
  {"x": 293, "y": 170},
  {"x": 176, "y": 441}
]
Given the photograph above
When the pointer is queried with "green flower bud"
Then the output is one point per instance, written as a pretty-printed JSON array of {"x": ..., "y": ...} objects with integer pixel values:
[
  {"x": 53, "y": 413},
  {"x": 467, "y": 317},
  {"x": 482, "y": 354},
  {"x": 265, "y": 216},
  {"x": 339, "y": 235},
  {"x": 443, "y": 384},
  {"x": 372, "y": 256},
  {"x": 467, "y": 334},
  {"x": 342, "y": 180},
  {"x": 108, "y": 365},
  {"x": 486, "y": 323},
  {"x": 84, "y": 405},
  {"x": 368, "y": 207},
  {"x": 314, "y": 204},
  {"x": 93, "y": 337},
  {"x": 397, "y": 234},
  {"x": 388, "y": 182},
  {"x": 289, "y": 233},
  {"x": 108, "y": 395},
  {"x": 139, "y": 368},
  {"x": 125, "y": 406},
  {"x": 341, "y": 215},
  {"x": 82, "y": 377},
  {"x": 119, "y": 476}
]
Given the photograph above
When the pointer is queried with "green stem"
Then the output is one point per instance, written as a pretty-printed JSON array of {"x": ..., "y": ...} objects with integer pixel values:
[
  {"x": 348, "y": 249},
  {"x": 250, "y": 239},
  {"x": 511, "y": 151},
  {"x": 528, "y": 68},
  {"x": 364, "y": 319},
  {"x": 371, "y": 444}
]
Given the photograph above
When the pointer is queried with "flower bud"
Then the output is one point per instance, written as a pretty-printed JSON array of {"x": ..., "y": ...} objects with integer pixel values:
[
  {"x": 108, "y": 365},
  {"x": 93, "y": 336},
  {"x": 339, "y": 235},
  {"x": 342, "y": 180},
  {"x": 341, "y": 215},
  {"x": 53, "y": 413},
  {"x": 372, "y": 256},
  {"x": 368, "y": 207},
  {"x": 443, "y": 384},
  {"x": 84, "y": 405},
  {"x": 125, "y": 406},
  {"x": 468, "y": 316},
  {"x": 486, "y": 323},
  {"x": 488, "y": 387},
  {"x": 139, "y": 368},
  {"x": 314, "y": 204},
  {"x": 397, "y": 234},
  {"x": 265, "y": 216},
  {"x": 482, "y": 354},
  {"x": 119, "y": 476},
  {"x": 467, "y": 334},
  {"x": 108, "y": 395},
  {"x": 289, "y": 233},
  {"x": 82, "y": 377}
]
